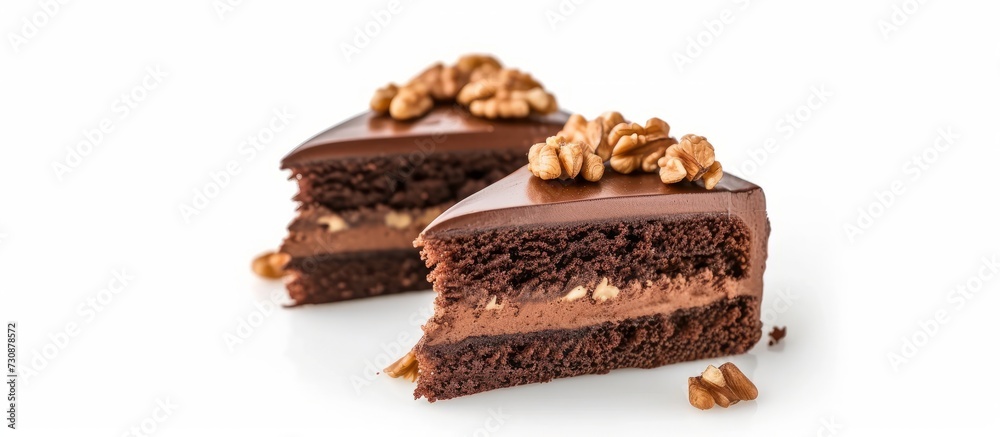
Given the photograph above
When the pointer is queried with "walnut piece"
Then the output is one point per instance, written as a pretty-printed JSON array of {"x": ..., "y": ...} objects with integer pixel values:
[
  {"x": 425, "y": 218},
  {"x": 332, "y": 222},
  {"x": 611, "y": 119},
  {"x": 405, "y": 367},
  {"x": 713, "y": 175},
  {"x": 398, "y": 220},
  {"x": 576, "y": 293},
  {"x": 558, "y": 158},
  {"x": 695, "y": 153},
  {"x": 742, "y": 387},
  {"x": 410, "y": 102},
  {"x": 724, "y": 385},
  {"x": 472, "y": 62},
  {"x": 697, "y": 158},
  {"x": 383, "y": 97},
  {"x": 593, "y": 133},
  {"x": 636, "y": 147},
  {"x": 629, "y": 147},
  {"x": 476, "y": 81},
  {"x": 671, "y": 170},
  {"x": 512, "y": 103},
  {"x": 698, "y": 395},
  {"x": 441, "y": 83},
  {"x": 500, "y": 106},
  {"x": 605, "y": 291},
  {"x": 493, "y": 305},
  {"x": 505, "y": 93},
  {"x": 271, "y": 265}
]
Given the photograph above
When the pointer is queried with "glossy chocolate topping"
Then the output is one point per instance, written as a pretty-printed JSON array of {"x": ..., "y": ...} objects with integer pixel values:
[
  {"x": 446, "y": 127},
  {"x": 524, "y": 200}
]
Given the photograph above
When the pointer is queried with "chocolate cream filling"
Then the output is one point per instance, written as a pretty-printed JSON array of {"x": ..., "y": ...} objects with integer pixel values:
[
  {"x": 318, "y": 230},
  {"x": 457, "y": 322}
]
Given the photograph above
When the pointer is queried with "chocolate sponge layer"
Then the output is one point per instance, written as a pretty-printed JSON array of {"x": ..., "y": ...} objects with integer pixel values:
[
  {"x": 396, "y": 182},
  {"x": 478, "y": 364},
  {"x": 540, "y": 263},
  {"x": 415, "y": 180},
  {"x": 336, "y": 277}
]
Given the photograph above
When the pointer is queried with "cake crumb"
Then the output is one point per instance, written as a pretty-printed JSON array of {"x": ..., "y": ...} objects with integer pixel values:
[{"x": 776, "y": 335}]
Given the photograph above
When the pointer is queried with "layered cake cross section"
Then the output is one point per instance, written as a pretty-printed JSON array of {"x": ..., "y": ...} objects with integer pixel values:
[
  {"x": 369, "y": 185},
  {"x": 542, "y": 279}
]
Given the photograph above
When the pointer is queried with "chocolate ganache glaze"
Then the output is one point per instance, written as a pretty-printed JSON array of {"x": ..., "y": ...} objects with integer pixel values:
[
  {"x": 445, "y": 128},
  {"x": 524, "y": 200}
]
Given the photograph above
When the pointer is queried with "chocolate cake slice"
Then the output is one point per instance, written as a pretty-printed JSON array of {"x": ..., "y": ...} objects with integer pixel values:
[
  {"x": 542, "y": 279},
  {"x": 369, "y": 185}
]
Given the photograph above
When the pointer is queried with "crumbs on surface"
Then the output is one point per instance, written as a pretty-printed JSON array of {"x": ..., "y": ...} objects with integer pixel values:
[{"x": 776, "y": 335}]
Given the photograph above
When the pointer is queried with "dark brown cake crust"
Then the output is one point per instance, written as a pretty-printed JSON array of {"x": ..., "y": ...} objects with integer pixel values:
[
  {"x": 479, "y": 364},
  {"x": 472, "y": 266},
  {"x": 417, "y": 180},
  {"x": 336, "y": 277}
]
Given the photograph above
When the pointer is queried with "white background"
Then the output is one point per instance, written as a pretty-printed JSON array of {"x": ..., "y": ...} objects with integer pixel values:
[{"x": 850, "y": 299}]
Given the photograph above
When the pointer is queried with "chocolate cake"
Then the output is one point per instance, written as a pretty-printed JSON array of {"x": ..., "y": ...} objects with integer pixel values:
[
  {"x": 369, "y": 185},
  {"x": 542, "y": 279}
]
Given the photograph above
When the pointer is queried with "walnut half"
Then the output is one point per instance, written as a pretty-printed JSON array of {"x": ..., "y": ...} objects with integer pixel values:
[
  {"x": 593, "y": 133},
  {"x": 405, "y": 367},
  {"x": 410, "y": 103},
  {"x": 558, "y": 158},
  {"x": 506, "y": 93},
  {"x": 638, "y": 147},
  {"x": 271, "y": 265},
  {"x": 692, "y": 158}
]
